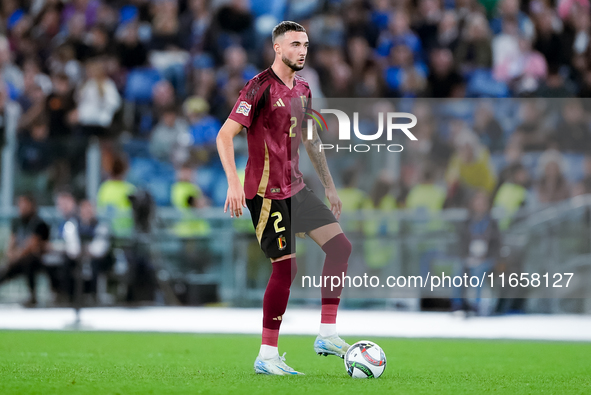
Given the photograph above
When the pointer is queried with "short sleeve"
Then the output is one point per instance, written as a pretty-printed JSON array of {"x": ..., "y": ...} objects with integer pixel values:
[{"x": 244, "y": 109}]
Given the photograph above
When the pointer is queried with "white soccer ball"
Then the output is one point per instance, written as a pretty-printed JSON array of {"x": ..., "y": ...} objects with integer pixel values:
[{"x": 364, "y": 360}]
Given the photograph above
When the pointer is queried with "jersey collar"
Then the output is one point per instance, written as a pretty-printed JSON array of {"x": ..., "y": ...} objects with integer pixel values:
[{"x": 280, "y": 80}]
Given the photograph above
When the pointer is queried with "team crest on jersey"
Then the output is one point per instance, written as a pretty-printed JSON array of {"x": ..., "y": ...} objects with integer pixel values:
[
  {"x": 281, "y": 243},
  {"x": 243, "y": 108}
]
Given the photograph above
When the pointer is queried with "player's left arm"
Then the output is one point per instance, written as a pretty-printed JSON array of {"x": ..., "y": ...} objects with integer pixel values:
[{"x": 318, "y": 159}]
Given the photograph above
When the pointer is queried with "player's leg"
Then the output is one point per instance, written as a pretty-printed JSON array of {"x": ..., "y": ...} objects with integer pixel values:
[
  {"x": 274, "y": 306},
  {"x": 271, "y": 219},
  {"x": 312, "y": 216},
  {"x": 337, "y": 247},
  {"x": 275, "y": 302}
]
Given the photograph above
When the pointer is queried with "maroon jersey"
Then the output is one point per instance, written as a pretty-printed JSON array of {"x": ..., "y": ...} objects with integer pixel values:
[{"x": 273, "y": 132}]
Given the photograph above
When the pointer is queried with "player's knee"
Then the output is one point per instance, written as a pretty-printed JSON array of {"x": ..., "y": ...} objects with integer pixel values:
[
  {"x": 338, "y": 248},
  {"x": 286, "y": 268}
]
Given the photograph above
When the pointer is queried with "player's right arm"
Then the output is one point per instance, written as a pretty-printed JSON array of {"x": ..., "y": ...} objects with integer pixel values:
[{"x": 235, "y": 198}]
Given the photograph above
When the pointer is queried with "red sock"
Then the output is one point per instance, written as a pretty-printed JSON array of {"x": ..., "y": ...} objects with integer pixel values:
[
  {"x": 276, "y": 297},
  {"x": 329, "y": 310},
  {"x": 338, "y": 250}
]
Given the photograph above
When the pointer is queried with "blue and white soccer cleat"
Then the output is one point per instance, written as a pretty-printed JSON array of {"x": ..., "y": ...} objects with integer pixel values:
[
  {"x": 330, "y": 345},
  {"x": 274, "y": 366}
]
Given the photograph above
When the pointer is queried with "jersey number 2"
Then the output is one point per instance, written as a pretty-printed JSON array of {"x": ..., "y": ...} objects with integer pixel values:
[
  {"x": 294, "y": 122},
  {"x": 276, "y": 223}
]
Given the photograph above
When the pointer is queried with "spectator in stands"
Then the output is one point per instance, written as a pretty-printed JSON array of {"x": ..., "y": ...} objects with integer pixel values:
[
  {"x": 195, "y": 20},
  {"x": 89, "y": 9},
  {"x": 509, "y": 12},
  {"x": 170, "y": 138},
  {"x": 203, "y": 127},
  {"x": 448, "y": 31},
  {"x": 552, "y": 186},
  {"x": 512, "y": 194},
  {"x": 354, "y": 198},
  {"x": 98, "y": 100},
  {"x": 163, "y": 97},
  {"x": 470, "y": 165},
  {"x": 371, "y": 83},
  {"x": 572, "y": 133},
  {"x": 399, "y": 32},
  {"x": 405, "y": 77},
  {"x": 444, "y": 81},
  {"x": 548, "y": 41},
  {"x": 75, "y": 36},
  {"x": 166, "y": 33},
  {"x": 235, "y": 64},
  {"x": 9, "y": 115},
  {"x": 513, "y": 156},
  {"x": 584, "y": 187},
  {"x": 131, "y": 52},
  {"x": 475, "y": 51},
  {"x": 530, "y": 134},
  {"x": 426, "y": 22},
  {"x": 487, "y": 127},
  {"x": 10, "y": 73},
  {"x": 28, "y": 242},
  {"x": 35, "y": 150},
  {"x": 480, "y": 246},
  {"x": 555, "y": 85},
  {"x": 378, "y": 229},
  {"x": 99, "y": 44},
  {"x": 358, "y": 54},
  {"x": 426, "y": 195},
  {"x": 516, "y": 62},
  {"x": 32, "y": 100},
  {"x": 63, "y": 60},
  {"x": 59, "y": 107}
]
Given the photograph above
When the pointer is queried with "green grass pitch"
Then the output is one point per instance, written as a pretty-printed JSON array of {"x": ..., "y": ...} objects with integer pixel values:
[{"x": 137, "y": 363}]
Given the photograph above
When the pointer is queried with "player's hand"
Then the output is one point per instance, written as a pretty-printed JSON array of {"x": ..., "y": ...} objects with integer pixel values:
[
  {"x": 335, "y": 203},
  {"x": 235, "y": 199}
]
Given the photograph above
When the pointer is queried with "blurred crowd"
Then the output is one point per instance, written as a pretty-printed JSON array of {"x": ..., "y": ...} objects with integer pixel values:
[{"x": 152, "y": 80}]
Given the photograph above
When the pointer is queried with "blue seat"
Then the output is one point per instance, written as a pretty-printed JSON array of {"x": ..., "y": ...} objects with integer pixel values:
[{"x": 139, "y": 84}]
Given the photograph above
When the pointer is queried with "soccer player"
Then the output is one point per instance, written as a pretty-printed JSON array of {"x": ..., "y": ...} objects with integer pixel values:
[{"x": 280, "y": 204}]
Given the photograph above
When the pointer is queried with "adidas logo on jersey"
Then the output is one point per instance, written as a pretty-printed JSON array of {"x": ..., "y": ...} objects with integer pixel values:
[{"x": 279, "y": 103}]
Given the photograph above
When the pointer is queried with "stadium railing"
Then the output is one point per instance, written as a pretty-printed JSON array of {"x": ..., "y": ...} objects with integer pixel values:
[{"x": 221, "y": 263}]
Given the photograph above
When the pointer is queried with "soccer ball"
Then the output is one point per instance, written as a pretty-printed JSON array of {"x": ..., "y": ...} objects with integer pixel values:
[{"x": 365, "y": 359}]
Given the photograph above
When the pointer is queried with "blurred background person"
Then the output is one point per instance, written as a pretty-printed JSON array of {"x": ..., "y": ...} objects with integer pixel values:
[
  {"x": 480, "y": 247},
  {"x": 27, "y": 244},
  {"x": 98, "y": 100},
  {"x": 97, "y": 252},
  {"x": 170, "y": 138},
  {"x": 469, "y": 168},
  {"x": 552, "y": 185}
]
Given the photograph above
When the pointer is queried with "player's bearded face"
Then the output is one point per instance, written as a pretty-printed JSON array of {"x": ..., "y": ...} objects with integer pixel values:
[
  {"x": 293, "y": 50},
  {"x": 292, "y": 65}
]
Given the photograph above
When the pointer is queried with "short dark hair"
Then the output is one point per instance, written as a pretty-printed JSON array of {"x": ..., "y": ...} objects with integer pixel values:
[
  {"x": 286, "y": 26},
  {"x": 119, "y": 166}
]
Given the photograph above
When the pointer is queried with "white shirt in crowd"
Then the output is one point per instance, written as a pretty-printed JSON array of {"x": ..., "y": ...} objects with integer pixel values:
[{"x": 95, "y": 109}]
